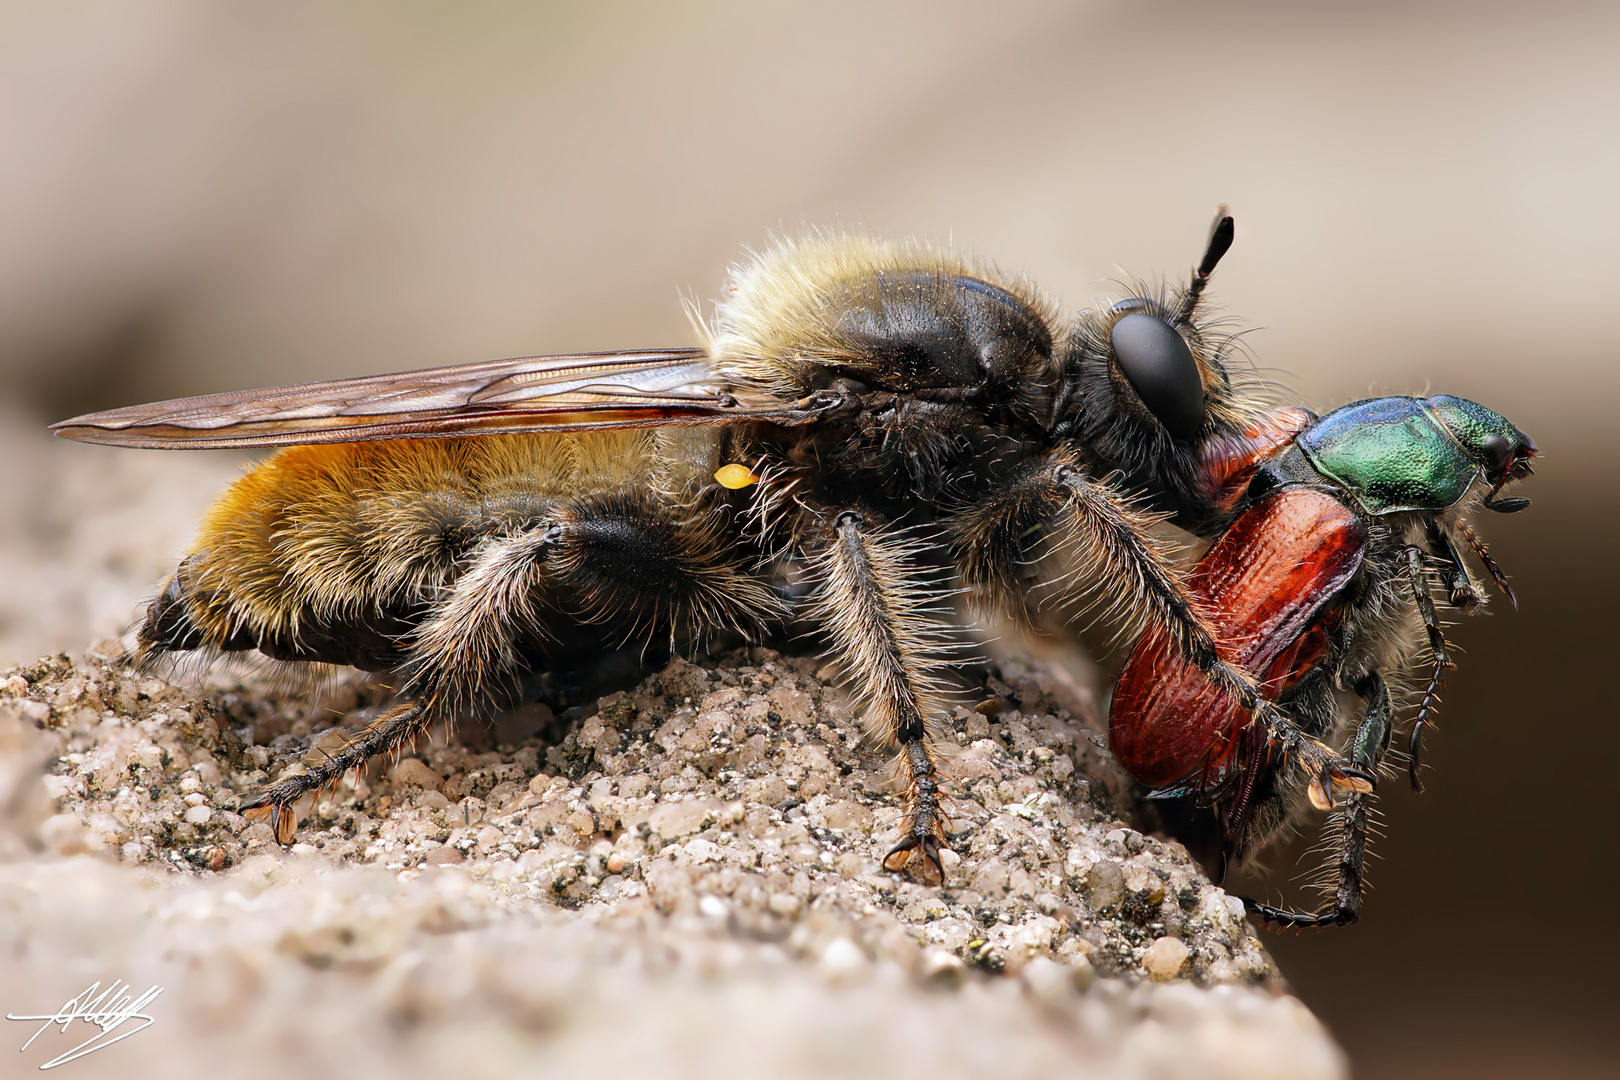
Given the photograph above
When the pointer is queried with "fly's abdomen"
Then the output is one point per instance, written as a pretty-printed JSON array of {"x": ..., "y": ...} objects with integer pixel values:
[
  {"x": 336, "y": 553},
  {"x": 1264, "y": 586}
]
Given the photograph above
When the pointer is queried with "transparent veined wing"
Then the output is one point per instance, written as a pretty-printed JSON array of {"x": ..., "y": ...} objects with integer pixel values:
[{"x": 581, "y": 391}]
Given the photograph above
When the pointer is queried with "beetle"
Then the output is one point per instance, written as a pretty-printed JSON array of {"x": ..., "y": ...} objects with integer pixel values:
[{"x": 1321, "y": 584}]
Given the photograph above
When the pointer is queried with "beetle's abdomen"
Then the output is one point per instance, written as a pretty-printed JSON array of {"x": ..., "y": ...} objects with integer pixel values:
[{"x": 1264, "y": 585}]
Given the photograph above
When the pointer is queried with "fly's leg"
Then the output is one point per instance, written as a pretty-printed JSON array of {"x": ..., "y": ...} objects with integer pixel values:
[
  {"x": 1419, "y": 578},
  {"x": 458, "y": 654},
  {"x": 1113, "y": 545},
  {"x": 389, "y": 732},
  {"x": 872, "y": 608},
  {"x": 1366, "y": 750},
  {"x": 623, "y": 557}
]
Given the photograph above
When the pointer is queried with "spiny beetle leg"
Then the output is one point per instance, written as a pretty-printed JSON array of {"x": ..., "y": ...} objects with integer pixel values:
[
  {"x": 1367, "y": 749},
  {"x": 1418, "y": 577}
]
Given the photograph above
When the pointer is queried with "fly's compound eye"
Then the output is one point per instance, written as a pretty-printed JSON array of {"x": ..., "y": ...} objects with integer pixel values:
[{"x": 1160, "y": 367}]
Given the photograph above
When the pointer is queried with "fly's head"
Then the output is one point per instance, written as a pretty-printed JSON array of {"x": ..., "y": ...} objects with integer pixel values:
[{"x": 1148, "y": 389}]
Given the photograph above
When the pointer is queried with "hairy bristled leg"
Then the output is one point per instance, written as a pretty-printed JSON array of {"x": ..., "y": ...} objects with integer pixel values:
[
  {"x": 459, "y": 657},
  {"x": 871, "y": 607},
  {"x": 1113, "y": 549},
  {"x": 1366, "y": 751},
  {"x": 621, "y": 558}
]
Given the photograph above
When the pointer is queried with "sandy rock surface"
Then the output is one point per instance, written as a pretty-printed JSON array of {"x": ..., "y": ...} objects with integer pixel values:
[{"x": 678, "y": 879}]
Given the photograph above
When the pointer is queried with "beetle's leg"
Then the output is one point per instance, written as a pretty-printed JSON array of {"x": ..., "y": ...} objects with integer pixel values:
[
  {"x": 1417, "y": 574},
  {"x": 1484, "y": 554},
  {"x": 1366, "y": 750},
  {"x": 1461, "y": 591},
  {"x": 872, "y": 609},
  {"x": 1236, "y": 817},
  {"x": 1113, "y": 546}
]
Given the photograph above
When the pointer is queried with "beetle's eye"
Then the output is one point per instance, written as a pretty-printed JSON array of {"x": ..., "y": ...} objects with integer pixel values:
[
  {"x": 1497, "y": 451},
  {"x": 1162, "y": 371}
]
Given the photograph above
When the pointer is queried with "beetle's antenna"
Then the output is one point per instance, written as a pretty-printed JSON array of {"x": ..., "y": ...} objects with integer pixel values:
[{"x": 1220, "y": 240}]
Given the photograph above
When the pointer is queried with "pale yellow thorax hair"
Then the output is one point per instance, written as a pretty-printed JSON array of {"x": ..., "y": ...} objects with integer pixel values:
[{"x": 782, "y": 315}]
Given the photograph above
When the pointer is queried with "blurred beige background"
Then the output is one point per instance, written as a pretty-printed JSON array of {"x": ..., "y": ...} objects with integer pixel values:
[{"x": 199, "y": 197}]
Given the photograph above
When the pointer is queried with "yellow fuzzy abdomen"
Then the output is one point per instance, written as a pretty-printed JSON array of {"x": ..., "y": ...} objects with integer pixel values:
[{"x": 338, "y": 533}]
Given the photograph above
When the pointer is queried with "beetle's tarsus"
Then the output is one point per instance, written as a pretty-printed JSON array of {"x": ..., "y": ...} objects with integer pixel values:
[{"x": 1333, "y": 916}]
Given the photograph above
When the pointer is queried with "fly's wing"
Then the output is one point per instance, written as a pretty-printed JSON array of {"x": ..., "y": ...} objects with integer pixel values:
[{"x": 579, "y": 392}]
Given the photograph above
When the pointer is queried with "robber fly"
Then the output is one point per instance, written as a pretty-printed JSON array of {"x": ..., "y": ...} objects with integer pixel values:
[{"x": 869, "y": 415}]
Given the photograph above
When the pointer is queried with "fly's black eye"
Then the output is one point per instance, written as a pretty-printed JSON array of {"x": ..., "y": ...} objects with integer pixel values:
[
  {"x": 1497, "y": 451},
  {"x": 1162, "y": 371}
]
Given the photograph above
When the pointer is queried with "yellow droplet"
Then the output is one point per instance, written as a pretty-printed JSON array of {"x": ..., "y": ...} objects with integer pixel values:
[{"x": 735, "y": 476}]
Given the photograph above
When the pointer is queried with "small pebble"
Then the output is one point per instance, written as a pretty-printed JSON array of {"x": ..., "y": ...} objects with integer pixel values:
[
  {"x": 1047, "y": 980},
  {"x": 1165, "y": 959},
  {"x": 411, "y": 772},
  {"x": 842, "y": 960},
  {"x": 942, "y": 968},
  {"x": 443, "y": 856}
]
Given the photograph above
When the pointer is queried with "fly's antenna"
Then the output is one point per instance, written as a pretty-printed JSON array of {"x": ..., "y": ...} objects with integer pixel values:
[{"x": 1220, "y": 240}]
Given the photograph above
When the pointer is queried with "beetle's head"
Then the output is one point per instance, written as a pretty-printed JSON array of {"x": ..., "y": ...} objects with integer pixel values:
[{"x": 1502, "y": 451}]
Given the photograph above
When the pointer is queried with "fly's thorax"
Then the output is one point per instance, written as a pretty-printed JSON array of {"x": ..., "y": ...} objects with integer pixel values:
[{"x": 882, "y": 316}]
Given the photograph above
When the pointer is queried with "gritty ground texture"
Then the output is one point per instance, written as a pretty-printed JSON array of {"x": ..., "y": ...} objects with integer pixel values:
[{"x": 679, "y": 879}]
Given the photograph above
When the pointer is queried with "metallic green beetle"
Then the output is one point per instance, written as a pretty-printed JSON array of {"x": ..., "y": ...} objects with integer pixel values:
[{"x": 1320, "y": 584}]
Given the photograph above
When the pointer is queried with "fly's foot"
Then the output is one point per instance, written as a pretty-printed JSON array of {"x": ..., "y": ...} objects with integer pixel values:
[
  {"x": 922, "y": 829},
  {"x": 274, "y": 804},
  {"x": 1330, "y": 772},
  {"x": 923, "y": 847},
  {"x": 386, "y": 734}
]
